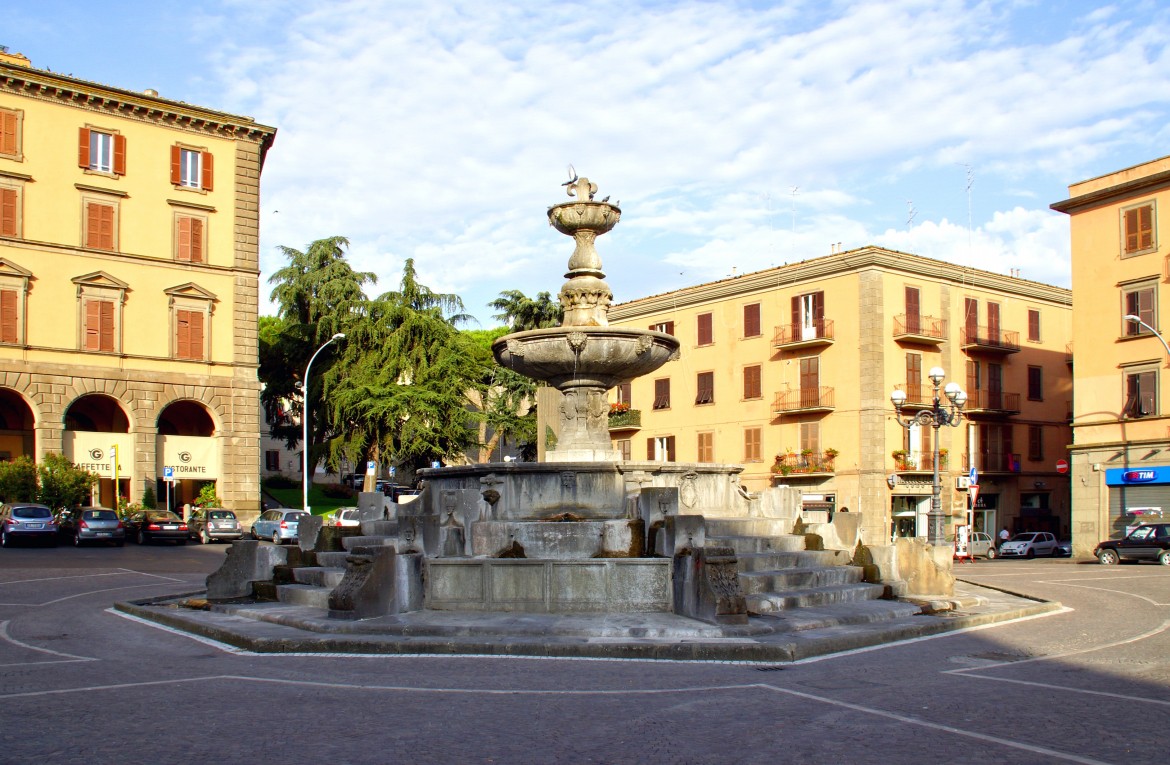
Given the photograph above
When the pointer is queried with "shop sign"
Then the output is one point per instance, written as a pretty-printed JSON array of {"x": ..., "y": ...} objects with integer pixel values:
[
  {"x": 189, "y": 457},
  {"x": 94, "y": 452},
  {"x": 1130, "y": 476}
]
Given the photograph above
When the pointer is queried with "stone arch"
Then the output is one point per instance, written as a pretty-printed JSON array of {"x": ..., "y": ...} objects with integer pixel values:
[
  {"x": 18, "y": 423},
  {"x": 187, "y": 417},
  {"x": 189, "y": 444},
  {"x": 98, "y": 413}
]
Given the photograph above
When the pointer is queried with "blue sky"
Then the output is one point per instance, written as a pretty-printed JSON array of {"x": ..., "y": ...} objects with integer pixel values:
[{"x": 737, "y": 135}]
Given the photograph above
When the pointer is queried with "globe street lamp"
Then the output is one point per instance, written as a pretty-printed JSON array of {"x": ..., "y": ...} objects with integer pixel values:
[
  {"x": 937, "y": 416},
  {"x": 305, "y": 423}
]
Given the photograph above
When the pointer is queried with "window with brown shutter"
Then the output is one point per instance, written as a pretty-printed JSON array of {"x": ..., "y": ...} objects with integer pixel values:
[
  {"x": 751, "y": 320},
  {"x": 1140, "y": 301},
  {"x": 751, "y": 382},
  {"x": 660, "y": 449},
  {"x": 99, "y": 325},
  {"x": 9, "y": 212},
  {"x": 623, "y": 447},
  {"x": 624, "y": 395},
  {"x": 1036, "y": 443},
  {"x": 706, "y": 447},
  {"x": 101, "y": 152},
  {"x": 913, "y": 311},
  {"x": 1035, "y": 384},
  {"x": 192, "y": 168},
  {"x": 1139, "y": 229},
  {"x": 705, "y": 330},
  {"x": 189, "y": 340},
  {"x": 970, "y": 319},
  {"x": 9, "y": 315},
  {"x": 190, "y": 239},
  {"x": 751, "y": 445},
  {"x": 666, "y": 327},
  {"x": 706, "y": 388},
  {"x": 662, "y": 393},
  {"x": 1034, "y": 325},
  {"x": 10, "y": 125},
  {"x": 99, "y": 225}
]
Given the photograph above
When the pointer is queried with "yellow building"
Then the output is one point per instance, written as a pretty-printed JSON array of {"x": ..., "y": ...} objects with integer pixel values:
[
  {"x": 789, "y": 372},
  {"x": 1121, "y": 427},
  {"x": 129, "y": 280}
]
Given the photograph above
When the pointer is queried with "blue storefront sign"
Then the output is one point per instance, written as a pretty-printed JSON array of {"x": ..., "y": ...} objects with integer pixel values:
[{"x": 1131, "y": 476}]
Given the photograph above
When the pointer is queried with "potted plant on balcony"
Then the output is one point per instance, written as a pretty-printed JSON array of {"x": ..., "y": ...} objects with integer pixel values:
[
  {"x": 942, "y": 458},
  {"x": 831, "y": 454},
  {"x": 901, "y": 458}
]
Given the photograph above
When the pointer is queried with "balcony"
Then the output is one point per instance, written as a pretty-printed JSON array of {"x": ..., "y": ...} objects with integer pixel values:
[
  {"x": 994, "y": 403},
  {"x": 918, "y": 462},
  {"x": 789, "y": 466},
  {"x": 806, "y": 400},
  {"x": 994, "y": 463},
  {"x": 990, "y": 340},
  {"x": 1068, "y": 354},
  {"x": 927, "y": 330},
  {"x": 793, "y": 336},
  {"x": 919, "y": 397},
  {"x": 627, "y": 419}
]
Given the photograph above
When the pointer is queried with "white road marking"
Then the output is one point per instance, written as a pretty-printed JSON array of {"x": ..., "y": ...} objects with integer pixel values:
[
  {"x": 67, "y": 657},
  {"x": 1051, "y": 687},
  {"x": 122, "y": 572}
]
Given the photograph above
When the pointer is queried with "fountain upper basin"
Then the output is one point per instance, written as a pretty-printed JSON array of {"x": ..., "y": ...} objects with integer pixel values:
[{"x": 585, "y": 356}]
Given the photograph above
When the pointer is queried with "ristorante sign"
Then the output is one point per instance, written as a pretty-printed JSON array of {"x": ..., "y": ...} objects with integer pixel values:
[{"x": 190, "y": 457}]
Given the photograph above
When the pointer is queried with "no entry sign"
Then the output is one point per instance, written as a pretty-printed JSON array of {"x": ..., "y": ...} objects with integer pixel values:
[{"x": 1062, "y": 466}]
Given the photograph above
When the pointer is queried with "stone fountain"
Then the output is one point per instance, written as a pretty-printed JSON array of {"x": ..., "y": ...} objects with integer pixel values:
[{"x": 584, "y": 357}]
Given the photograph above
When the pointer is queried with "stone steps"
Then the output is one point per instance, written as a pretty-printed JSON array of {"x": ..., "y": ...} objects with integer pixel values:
[
  {"x": 860, "y": 612},
  {"x": 350, "y": 543},
  {"x": 319, "y": 576},
  {"x": 793, "y": 579},
  {"x": 772, "y": 602},
  {"x": 748, "y": 527},
  {"x": 771, "y": 561},
  {"x": 744, "y": 543},
  {"x": 304, "y": 595}
]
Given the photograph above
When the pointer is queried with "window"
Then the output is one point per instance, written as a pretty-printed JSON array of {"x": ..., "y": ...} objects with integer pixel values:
[
  {"x": 191, "y": 168},
  {"x": 1035, "y": 384},
  {"x": 1036, "y": 443},
  {"x": 751, "y": 445},
  {"x": 660, "y": 449},
  {"x": 662, "y": 393},
  {"x": 664, "y": 326},
  {"x": 99, "y": 325},
  {"x": 1139, "y": 300},
  {"x": 1141, "y": 393},
  {"x": 11, "y": 197},
  {"x": 189, "y": 334},
  {"x": 810, "y": 438},
  {"x": 100, "y": 301},
  {"x": 623, "y": 393},
  {"x": 810, "y": 381},
  {"x": 272, "y": 459},
  {"x": 623, "y": 448},
  {"x": 752, "y": 386},
  {"x": 706, "y": 388},
  {"x": 13, "y": 289},
  {"x": 1034, "y": 325},
  {"x": 11, "y": 129},
  {"x": 1138, "y": 229},
  {"x": 808, "y": 316},
  {"x": 706, "y": 447},
  {"x": 993, "y": 322},
  {"x": 9, "y": 316},
  {"x": 751, "y": 320},
  {"x": 705, "y": 331},
  {"x": 913, "y": 311},
  {"x": 970, "y": 320},
  {"x": 101, "y": 151},
  {"x": 191, "y": 308},
  {"x": 190, "y": 238},
  {"x": 914, "y": 392},
  {"x": 100, "y": 223}
]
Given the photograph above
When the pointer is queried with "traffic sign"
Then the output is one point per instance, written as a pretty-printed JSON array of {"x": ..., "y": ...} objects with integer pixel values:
[
  {"x": 973, "y": 493},
  {"x": 371, "y": 468},
  {"x": 973, "y": 475},
  {"x": 168, "y": 474},
  {"x": 1062, "y": 466}
]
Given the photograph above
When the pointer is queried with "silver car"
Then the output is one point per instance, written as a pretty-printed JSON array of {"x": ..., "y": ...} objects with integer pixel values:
[
  {"x": 92, "y": 524},
  {"x": 1029, "y": 545},
  {"x": 279, "y": 525},
  {"x": 26, "y": 520}
]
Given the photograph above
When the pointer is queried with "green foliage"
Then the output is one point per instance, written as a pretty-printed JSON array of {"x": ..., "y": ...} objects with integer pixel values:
[
  {"x": 63, "y": 485},
  {"x": 337, "y": 490},
  {"x": 281, "y": 482},
  {"x": 148, "y": 500},
  {"x": 207, "y": 496},
  {"x": 521, "y": 312},
  {"x": 18, "y": 480}
]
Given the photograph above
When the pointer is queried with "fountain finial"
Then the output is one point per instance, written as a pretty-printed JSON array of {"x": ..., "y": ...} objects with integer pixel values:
[{"x": 585, "y": 296}]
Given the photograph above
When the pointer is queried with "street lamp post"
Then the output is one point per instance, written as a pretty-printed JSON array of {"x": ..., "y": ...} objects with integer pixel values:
[
  {"x": 1157, "y": 334},
  {"x": 305, "y": 423},
  {"x": 937, "y": 416}
]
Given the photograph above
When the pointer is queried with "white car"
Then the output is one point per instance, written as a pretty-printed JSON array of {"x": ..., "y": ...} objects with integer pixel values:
[
  {"x": 346, "y": 516},
  {"x": 1029, "y": 545}
]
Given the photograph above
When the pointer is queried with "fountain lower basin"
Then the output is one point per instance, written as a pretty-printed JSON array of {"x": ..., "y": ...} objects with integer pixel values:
[{"x": 585, "y": 356}]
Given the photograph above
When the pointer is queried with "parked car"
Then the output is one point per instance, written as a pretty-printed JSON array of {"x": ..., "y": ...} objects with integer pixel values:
[
  {"x": 1063, "y": 549},
  {"x": 208, "y": 525},
  {"x": 981, "y": 544},
  {"x": 91, "y": 524},
  {"x": 26, "y": 520},
  {"x": 279, "y": 525},
  {"x": 346, "y": 516},
  {"x": 1029, "y": 545},
  {"x": 151, "y": 525},
  {"x": 1150, "y": 541}
]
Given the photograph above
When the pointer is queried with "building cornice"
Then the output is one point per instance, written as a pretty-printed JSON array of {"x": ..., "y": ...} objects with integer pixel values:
[
  {"x": 1110, "y": 194},
  {"x": 147, "y": 107},
  {"x": 852, "y": 261}
]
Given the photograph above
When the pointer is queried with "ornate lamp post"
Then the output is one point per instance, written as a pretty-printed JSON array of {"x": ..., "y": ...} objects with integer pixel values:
[
  {"x": 305, "y": 423},
  {"x": 937, "y": 416}
]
